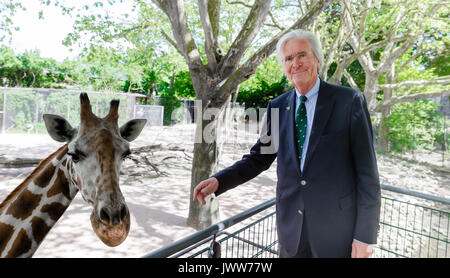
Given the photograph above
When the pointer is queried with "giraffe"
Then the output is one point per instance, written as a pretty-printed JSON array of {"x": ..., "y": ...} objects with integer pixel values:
[{"x": 89, "y": 162}]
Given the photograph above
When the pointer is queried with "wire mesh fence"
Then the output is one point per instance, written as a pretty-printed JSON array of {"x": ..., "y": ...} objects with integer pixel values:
[
  {"x": 408, "y": 229},
  {"x": 256, "y": 240},
  {"x": 21, "y": 109},
  {"x": 412, "y": 230}
]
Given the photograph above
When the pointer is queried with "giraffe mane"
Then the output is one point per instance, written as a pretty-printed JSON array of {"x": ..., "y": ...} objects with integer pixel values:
[{"x": 31, "y": 175}]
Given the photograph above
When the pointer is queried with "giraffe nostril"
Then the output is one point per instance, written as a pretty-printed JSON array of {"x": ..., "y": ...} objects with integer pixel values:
[
  {"x": 123, "y": 212},
  {"x": 104, "y": 215},
  {"x": 113, "y": 216}
]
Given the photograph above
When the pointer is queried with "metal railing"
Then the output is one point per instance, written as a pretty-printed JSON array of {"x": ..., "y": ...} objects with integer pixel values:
[{"x": 408, "y": 228}]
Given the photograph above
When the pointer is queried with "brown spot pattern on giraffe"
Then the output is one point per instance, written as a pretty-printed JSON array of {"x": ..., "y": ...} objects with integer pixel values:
[
  {"x": 39, "y": 228},
  {"x": 24, "y": 205},
  {"x": 6, "y": 232},
  {"x": 45, "y": 176},
  {"x": 32, "y": 176},
  {"x": 20, "y": 246},
  {"x": 54, "y": 210},
  {"x": 61, "y": 185}
]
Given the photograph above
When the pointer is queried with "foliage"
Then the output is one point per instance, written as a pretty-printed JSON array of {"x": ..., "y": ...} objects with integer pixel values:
[
  {"x": 416, "y": 125},
  {"x": 263, "y": 92},
  {"x": 31, "y": 70},
  {"x": 129, "y": 51},
  {"x": 182, "y": 85}
]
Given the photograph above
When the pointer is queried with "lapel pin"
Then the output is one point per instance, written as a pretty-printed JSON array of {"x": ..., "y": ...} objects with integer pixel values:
[{"x": 288, "y": 108}]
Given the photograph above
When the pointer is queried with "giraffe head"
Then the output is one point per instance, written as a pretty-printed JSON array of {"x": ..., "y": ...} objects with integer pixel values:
[{"x": 97, "y": 149}]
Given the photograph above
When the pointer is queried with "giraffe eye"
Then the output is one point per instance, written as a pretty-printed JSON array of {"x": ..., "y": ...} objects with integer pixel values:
[
  {"x": 126, "y": 154},
  {"x": 76, "y": 156}
]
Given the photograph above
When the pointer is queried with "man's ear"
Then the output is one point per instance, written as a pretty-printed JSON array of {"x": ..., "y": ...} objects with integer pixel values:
[
  {"x": 132, "y": 129},
  {"x": 59, "y": 128}
]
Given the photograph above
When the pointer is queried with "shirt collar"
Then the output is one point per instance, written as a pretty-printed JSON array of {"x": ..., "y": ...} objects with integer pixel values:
[{"x": 313, "y": 92}]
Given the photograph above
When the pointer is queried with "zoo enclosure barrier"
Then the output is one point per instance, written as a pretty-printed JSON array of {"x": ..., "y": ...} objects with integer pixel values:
[
  {"x": 412, "y": 224},
  {"x": 21, "y": 109}
]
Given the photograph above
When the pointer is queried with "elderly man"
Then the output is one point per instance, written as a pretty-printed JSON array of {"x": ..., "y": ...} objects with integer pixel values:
[{"x": 328, "y": 189}]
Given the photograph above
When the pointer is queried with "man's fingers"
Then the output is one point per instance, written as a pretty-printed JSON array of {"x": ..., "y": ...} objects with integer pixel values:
[
  {"x": 199, "y": 194},
  {"x": 198, "y": 189},
  {"x": 203, "y": 189},
  {"x": 201, "y": 199}
]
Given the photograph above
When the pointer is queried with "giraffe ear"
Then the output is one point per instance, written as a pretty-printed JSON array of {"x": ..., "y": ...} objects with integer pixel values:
[
  {"x": 59, "y": 128},
  {"x": 132, "y": 129}
]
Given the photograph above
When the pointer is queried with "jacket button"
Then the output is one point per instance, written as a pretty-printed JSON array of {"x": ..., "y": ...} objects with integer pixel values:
[
  {"x": 303, "y": 182},
  {"x": 300, "y": 212}
]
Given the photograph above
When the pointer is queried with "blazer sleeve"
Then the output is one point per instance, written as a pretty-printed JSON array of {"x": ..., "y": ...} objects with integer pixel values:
[
  {"x": 259, "y": 159},
  {"x": 367, "y": 179}
]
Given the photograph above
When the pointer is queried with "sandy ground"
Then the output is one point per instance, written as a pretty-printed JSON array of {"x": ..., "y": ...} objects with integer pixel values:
[{"x": 159, "y": 200}]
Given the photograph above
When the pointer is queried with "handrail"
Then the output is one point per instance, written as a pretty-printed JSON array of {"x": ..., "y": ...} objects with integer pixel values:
[
  {"x": 211, "y": 230},
  {"x": 186, "y": 242},
  {"x": 416, "y": 194}
]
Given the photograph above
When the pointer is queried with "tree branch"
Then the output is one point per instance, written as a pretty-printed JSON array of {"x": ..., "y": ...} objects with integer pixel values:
[
  {"x": 186, "y": 45},
  {"x": 208, "y": 30},
  {"x": 249, "y": 67},
  {"x": 177, "y": 16},
  {"x": 444, "y": 80},
  {"x": 411, "y": 98},
  {"x": 240, "y": 3},
  {"x": 250, "y": 29},
  {"x": 347, "y": 61},
  {"x": 275, "y": 22},
  {"x": 172, "y": 42},
  {"x": 350, "y": 80},
  {"x": 335, "y": 48}
]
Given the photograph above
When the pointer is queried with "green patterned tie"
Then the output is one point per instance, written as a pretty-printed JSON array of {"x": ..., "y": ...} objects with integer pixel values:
[{"x": 300, "y": 125}]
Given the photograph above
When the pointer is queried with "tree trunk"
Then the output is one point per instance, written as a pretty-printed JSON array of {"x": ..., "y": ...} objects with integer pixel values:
[
  {"x": 383, "y": 141},
  {"x": 172, "y": 81},
  {"x": 235, "y": 96},
  {"x": 203, "y": 165},
  {"x": 370, "y": 92}
]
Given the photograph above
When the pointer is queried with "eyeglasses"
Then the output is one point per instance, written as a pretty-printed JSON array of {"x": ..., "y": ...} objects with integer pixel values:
[{"x": 301, "y": 56}]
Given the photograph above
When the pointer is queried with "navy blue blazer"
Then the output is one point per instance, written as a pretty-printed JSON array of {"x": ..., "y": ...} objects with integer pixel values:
[{"x": 338, "y": 191}]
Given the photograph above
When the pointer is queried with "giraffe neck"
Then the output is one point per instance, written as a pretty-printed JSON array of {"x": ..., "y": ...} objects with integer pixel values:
[{"x": 34, "y": 207}]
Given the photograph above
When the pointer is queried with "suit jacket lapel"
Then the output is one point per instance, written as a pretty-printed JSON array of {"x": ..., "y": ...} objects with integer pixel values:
[{"x": 324, "y": 106}]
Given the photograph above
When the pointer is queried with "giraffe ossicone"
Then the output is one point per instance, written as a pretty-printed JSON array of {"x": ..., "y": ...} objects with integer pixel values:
[{"x": 89, "y": 162}]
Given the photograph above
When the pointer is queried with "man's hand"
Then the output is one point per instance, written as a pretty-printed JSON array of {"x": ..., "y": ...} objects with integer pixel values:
[
  {"x": 361, "y": 250},
  {"x": 205, "y": 188}
]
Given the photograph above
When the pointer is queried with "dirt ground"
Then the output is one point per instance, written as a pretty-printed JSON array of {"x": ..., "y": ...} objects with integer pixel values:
[{"x": 156, "y": 187}]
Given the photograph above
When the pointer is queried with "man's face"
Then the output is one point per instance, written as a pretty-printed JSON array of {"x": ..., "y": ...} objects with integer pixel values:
[{"x": 299, "y": 64}]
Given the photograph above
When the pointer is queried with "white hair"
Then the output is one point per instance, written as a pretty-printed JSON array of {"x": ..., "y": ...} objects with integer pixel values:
[{"x": 300, "y": 34}]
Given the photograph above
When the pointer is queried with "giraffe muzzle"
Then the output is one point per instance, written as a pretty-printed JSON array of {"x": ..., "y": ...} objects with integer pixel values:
[{"x": 111, "y": 224}]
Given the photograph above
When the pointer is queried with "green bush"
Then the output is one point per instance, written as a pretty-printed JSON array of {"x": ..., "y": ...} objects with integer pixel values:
[
  {"x": 416, "y": 125},
  {"x": 260, "y": 95}
]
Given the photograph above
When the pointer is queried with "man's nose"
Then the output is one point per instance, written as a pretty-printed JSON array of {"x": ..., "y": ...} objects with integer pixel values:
[{"x": 297, "y": 62}]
